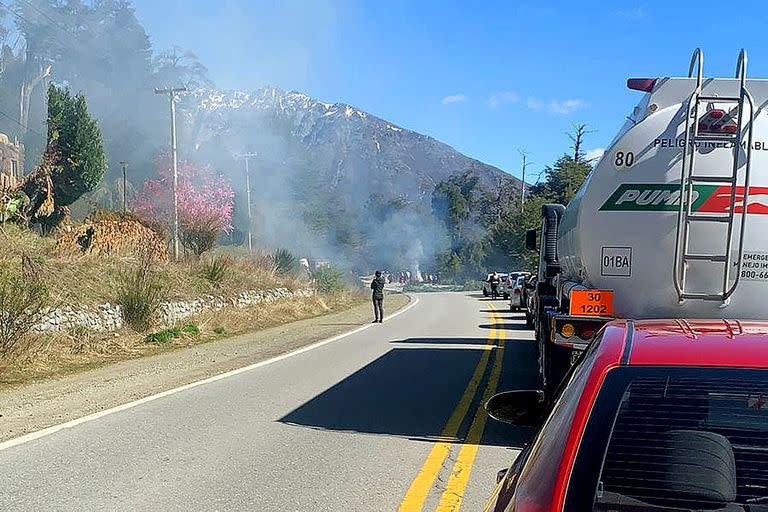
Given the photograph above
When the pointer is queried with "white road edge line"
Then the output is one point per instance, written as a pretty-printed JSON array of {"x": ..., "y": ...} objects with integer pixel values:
[{"x": 73, "y": 423}]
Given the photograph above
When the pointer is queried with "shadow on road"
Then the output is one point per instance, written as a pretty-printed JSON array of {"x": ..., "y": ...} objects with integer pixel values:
[
  {"x": 517, "y": 326},
  {"x": 412, "y": 391},
  {"x": 445, "y": 341}
]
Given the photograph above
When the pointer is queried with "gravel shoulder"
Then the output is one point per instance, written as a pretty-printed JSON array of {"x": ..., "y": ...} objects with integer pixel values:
[{"x": 42, "y": 404}]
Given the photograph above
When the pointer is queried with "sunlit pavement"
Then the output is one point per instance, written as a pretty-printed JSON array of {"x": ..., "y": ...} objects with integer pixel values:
[{"x": 385, "y": 419}]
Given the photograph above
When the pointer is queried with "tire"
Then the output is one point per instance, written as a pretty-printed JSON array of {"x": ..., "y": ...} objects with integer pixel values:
[{"x": 485, "y": 292}]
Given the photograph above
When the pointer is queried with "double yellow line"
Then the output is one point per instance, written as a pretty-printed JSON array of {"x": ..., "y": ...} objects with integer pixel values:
[{"x": 453, "y": 494}]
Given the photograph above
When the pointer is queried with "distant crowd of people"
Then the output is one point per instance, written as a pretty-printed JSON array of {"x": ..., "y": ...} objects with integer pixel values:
[{"x": 406, "y": 277}]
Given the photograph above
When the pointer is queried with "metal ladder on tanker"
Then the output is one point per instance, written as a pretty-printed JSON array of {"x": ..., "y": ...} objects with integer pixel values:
[{"x": 689, "y": 179}]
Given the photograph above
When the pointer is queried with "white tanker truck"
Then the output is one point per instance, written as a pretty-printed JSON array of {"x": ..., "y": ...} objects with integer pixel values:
[{"x": 671, "y": 223}]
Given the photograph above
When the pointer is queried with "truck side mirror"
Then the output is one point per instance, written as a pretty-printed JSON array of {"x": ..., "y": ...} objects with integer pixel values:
[
  {"x": 523, "y": 408},
  {"x": 530, "y": 240}
]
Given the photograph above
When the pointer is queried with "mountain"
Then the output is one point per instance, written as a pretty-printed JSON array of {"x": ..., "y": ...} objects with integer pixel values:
[
  {"x": 328, "y": 180},
  {"x": 351, "y": 149}
]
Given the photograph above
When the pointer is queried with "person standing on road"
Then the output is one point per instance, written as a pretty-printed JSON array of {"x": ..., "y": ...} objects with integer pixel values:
[
  {"x": 377, "y": 285},
  {"x": 494, "y": 281}
]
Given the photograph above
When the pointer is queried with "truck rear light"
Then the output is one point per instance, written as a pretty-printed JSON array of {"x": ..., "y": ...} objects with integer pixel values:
[
  {"x": 567, "y": 330},
  {"x": 641, "y": 84},
  {"x": 716, "y": 113},
  {"x": 717, "y": 121}
]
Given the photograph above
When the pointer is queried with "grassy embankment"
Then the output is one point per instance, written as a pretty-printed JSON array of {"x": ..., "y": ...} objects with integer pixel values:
[{"x": 89, "y": 280}]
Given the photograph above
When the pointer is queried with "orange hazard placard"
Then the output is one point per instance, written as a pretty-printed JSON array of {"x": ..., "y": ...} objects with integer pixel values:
[{"x": 591, "y": 302}]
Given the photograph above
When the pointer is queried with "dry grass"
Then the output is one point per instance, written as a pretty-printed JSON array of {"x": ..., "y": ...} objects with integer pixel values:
[
  {"x": 92, "y": 279},
  {"x": 66, "y": 353},
  {"x": 239, "y": 321}
]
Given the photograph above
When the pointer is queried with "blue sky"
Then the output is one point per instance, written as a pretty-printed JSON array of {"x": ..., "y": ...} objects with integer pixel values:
[{"x": 486, "y": 77}]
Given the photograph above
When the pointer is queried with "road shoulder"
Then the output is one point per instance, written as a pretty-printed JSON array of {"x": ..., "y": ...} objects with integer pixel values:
[{"x": 43, "y": 404}]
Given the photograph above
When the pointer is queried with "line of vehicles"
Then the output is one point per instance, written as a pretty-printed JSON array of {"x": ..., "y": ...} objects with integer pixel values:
[
  {"x": 511, "y": 286},
  {"x": 650, "y": 318}
]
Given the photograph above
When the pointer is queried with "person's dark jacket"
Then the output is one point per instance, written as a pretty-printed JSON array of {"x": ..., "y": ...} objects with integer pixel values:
[{"x": 377, "y": 285}]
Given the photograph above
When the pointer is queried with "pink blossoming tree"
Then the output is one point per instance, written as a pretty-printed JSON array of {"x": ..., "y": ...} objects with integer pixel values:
[{"x": 206, "y": 202}]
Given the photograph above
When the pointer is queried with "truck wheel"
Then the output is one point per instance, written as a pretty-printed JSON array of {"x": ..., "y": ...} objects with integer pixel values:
[{"x": 485, "y": 292}]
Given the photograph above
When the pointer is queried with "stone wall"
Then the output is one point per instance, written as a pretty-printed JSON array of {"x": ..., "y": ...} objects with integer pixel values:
[{"x": 109, "y": 317}]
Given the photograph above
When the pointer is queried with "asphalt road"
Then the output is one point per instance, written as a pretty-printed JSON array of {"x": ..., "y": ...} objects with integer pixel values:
[{"x": 386, "y": 419}]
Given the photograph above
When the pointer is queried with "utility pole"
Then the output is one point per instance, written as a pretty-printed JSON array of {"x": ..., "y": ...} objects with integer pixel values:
[
  {"x": 124, "y": 165},
  {"x": 172, "y": 93},
  {"x": 523, "y": 154},
  {"x": 247, "y": 157}
]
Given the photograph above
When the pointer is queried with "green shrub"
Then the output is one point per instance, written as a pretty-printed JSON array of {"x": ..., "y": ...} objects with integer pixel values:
[
  {"x": 329, "y": 280},
  {"x": 191, "y": 329},
  {"x": 140, "y": 291},
  {"x": 285, "y": 262},
  {"x": 24, "y": 299},
  {"x": 215, "y": 269},
  {"x": 166, "y": 335},
  {"x": 199, "y": 239}
]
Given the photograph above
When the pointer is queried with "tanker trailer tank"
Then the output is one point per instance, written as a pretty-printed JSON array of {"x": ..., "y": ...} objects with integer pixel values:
[{"x": 673, "y": 220}]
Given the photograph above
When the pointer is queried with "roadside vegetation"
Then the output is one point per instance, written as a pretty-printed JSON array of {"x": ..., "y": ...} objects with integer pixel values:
[
  {"x": 48, "y": 261},
  {"x": 29, "y": 286},
  {"x": 487, "y": 229}
]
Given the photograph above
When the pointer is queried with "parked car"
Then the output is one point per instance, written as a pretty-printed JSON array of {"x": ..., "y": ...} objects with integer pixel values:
[
  {"x": 487, "y": 285},
  {"x": 517, "y": 295},
  {"x": 509, "y": 285},
  {"x": 528, "y": 298},
  {"x": 656, "y": 415}
]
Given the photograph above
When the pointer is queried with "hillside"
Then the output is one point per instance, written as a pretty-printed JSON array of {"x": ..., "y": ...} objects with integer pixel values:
[
  {"x": 330, "y": 180},
  {"x": 350, "y": 149}
]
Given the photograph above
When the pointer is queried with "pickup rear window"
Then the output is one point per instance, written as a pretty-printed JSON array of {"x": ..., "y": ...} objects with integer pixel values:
[{"x": 670, "y": 439}]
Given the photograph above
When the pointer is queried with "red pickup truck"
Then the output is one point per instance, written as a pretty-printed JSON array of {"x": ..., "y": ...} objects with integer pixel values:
[{"x": 657, "y": 415}]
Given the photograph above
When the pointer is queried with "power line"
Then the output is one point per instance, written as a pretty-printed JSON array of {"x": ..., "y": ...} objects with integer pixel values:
[
  {"x": 20, "y": 124},
  {"x": 40, "y": 11},
  {"x": 22, "y": 18},
  {"x": 63, "y": 44}
]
